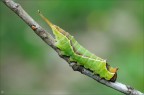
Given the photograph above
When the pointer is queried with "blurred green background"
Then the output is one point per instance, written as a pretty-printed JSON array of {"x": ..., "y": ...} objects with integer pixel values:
[{"x": 112, "y": 29}]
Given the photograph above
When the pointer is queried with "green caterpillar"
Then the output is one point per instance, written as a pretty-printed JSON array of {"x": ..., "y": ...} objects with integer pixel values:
[{"x": 71, "y": 48}]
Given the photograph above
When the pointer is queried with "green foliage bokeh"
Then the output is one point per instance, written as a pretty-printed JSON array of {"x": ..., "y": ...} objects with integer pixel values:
[{"x": 112, "y": 29}]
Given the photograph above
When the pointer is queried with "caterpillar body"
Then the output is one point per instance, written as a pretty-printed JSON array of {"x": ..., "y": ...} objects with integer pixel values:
[{"x": 71, "y": 48}]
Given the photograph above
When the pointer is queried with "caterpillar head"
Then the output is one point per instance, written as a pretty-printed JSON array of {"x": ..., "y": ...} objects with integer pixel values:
[{"x": 112, "y": 70}]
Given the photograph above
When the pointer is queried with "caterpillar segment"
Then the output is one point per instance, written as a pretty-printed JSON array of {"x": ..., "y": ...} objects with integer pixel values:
[
  {"x": 76, "y": 45},
  {"x": 98, "y": 67},
  {"x": 70, "y": 47}
]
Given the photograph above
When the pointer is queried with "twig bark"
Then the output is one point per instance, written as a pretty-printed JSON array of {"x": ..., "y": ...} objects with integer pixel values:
[{"x": 48, "y": 39}]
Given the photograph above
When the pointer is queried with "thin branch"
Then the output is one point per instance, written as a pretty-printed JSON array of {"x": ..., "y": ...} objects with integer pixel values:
[{"x": 48, "y": 39}]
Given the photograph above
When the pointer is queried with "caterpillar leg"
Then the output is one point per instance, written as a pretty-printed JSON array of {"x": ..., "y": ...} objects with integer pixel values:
[{"x": 76, "y": 67}]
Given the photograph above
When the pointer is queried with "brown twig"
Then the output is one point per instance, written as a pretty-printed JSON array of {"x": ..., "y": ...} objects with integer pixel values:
[{"x": 48, "y": 39}]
